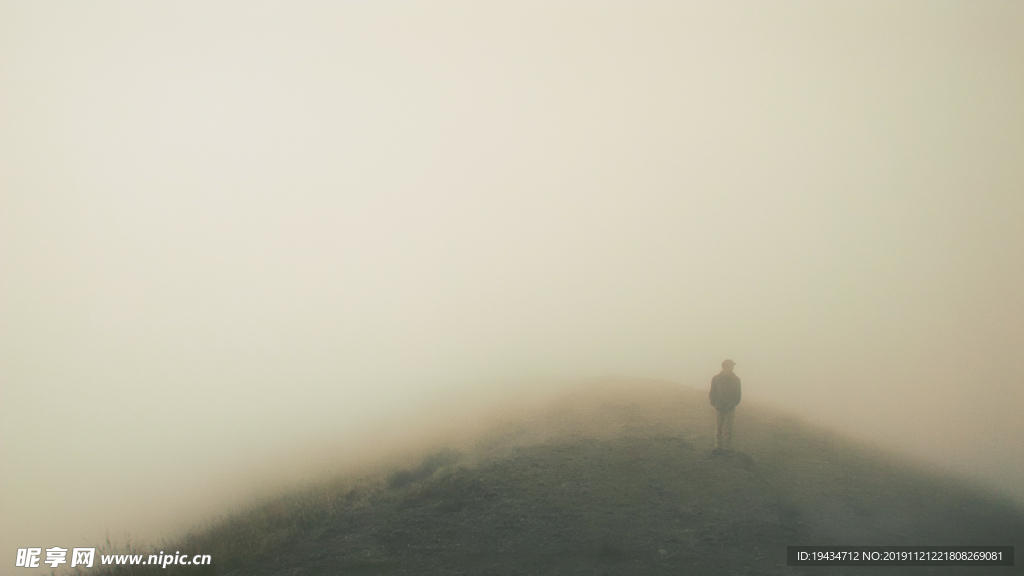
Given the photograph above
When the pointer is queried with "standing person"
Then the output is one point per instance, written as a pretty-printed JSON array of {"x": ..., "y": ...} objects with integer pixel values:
[{"x": 725, "y": 395}]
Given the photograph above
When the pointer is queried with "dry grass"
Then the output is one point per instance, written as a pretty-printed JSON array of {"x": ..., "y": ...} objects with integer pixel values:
[{"x": 615, "y": 476}]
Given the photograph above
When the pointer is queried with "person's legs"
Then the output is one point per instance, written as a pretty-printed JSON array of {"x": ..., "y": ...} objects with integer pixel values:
[
  {"x": 719, "y": 424},
  {"x": 725, "y": 428}
]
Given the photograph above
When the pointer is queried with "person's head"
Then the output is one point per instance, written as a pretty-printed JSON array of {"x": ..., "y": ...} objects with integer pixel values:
[{"x": 727, "y": 366}]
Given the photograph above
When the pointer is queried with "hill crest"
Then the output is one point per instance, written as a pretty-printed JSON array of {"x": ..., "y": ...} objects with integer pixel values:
[{"x": 617, "y": 478}]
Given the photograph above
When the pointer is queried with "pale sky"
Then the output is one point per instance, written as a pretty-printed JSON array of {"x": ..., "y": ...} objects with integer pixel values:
[{"x": 231, "y": 230}]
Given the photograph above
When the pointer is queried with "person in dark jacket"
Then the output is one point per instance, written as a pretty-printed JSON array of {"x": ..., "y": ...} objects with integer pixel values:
[{"x": 725, "y": 395}]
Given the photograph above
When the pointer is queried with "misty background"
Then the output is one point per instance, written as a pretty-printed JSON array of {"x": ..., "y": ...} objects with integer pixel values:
[{"x": 232, "y": 233}]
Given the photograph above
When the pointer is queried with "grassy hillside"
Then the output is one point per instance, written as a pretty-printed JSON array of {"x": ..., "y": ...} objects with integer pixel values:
[{"x": 617, "y": 478}]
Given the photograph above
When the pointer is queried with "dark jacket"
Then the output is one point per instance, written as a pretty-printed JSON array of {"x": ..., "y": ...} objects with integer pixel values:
[{"x": 725, "y": 391}]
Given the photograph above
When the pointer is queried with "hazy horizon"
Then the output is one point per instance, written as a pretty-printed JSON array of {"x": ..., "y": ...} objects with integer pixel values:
[{"x": 231, "y": 233}]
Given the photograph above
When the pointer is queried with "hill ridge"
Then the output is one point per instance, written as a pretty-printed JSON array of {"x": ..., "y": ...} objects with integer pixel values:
[{"x": 620, "y": 479}]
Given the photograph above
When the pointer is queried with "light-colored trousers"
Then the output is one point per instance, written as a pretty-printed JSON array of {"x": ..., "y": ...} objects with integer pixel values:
[{"x": 723, "y": 431}]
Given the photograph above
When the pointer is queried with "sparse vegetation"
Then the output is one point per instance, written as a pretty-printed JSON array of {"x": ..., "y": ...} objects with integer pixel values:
[{"x": 616, "y": 480}]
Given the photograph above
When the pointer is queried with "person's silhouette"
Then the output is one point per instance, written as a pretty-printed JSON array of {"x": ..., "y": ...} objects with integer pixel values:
[{"x": 725, "y": 395}]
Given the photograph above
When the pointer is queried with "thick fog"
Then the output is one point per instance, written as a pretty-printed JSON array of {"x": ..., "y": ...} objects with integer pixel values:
[{"x": 233, "y": 234}]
